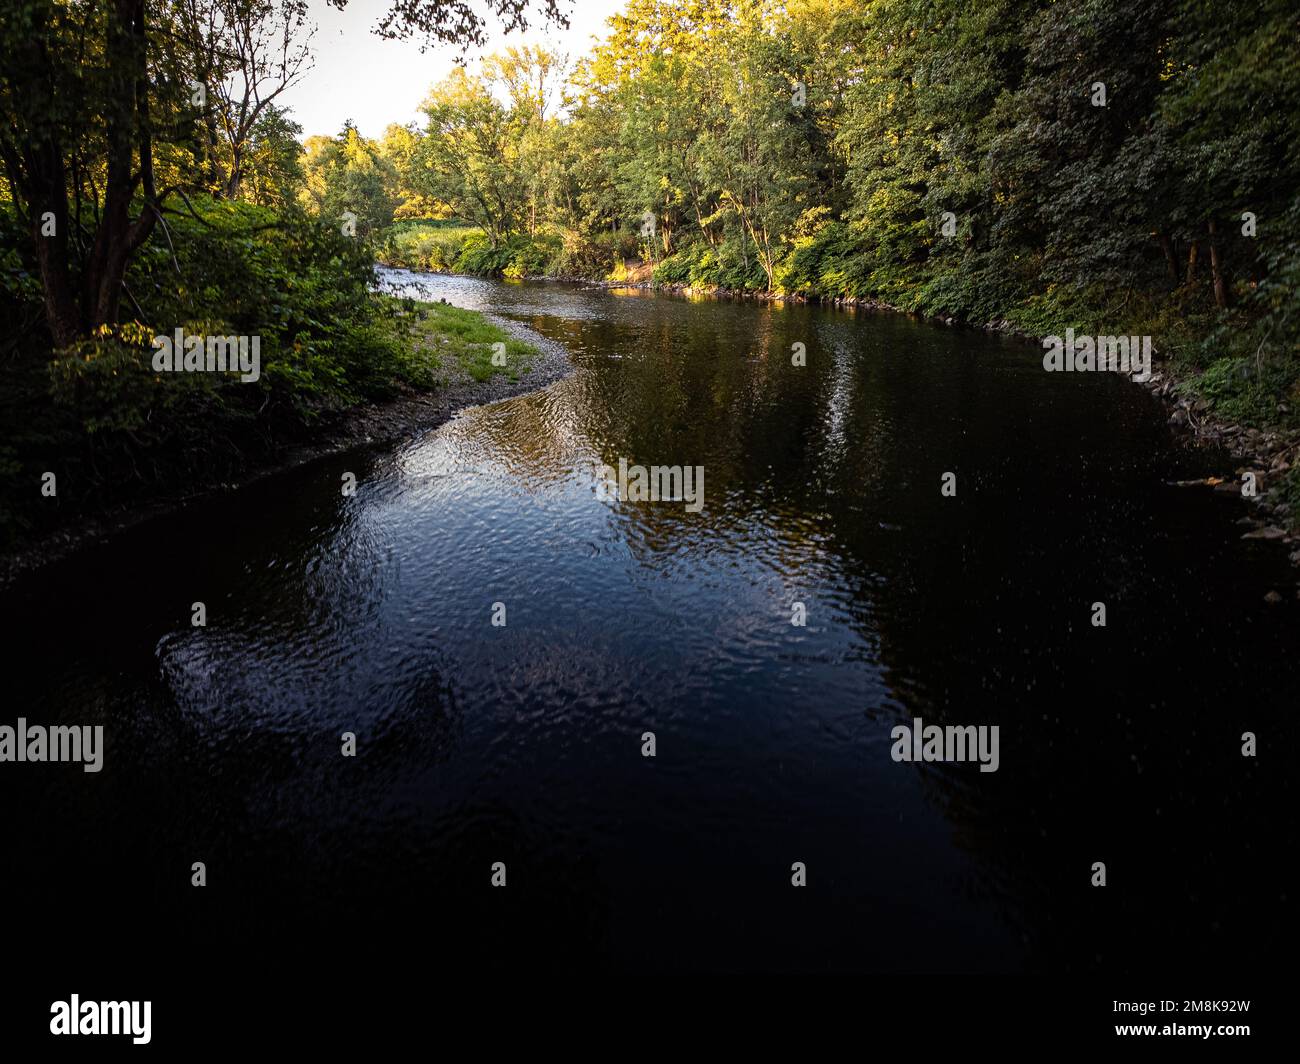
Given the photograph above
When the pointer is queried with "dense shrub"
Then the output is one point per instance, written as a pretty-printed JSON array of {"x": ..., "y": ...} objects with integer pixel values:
[
  {"x": 424, "y": 244},
  {"x": 593, "y": 256},
  {"x": 100, "y": 415},
  {"x": 729, "y": 266},
  {"x": 449, "y": 246}
]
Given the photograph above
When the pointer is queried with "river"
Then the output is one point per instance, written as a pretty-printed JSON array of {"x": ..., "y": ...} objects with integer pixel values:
[{"x": 523, "y": 743}]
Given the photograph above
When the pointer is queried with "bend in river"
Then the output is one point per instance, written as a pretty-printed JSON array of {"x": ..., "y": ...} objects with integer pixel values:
[{"x": 522, "y": 743}]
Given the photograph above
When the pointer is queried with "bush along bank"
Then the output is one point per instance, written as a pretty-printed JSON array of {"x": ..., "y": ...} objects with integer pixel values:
[
  {"x": 450, "y": 246},
  {"x": 254, "y": 341}
]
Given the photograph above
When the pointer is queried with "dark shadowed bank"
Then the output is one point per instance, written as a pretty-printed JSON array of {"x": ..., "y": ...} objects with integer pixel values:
[{"x": 369, "y": 425}]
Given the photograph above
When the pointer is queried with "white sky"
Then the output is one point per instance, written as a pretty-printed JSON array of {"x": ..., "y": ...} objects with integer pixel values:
[{"x": 373, "y": 81}]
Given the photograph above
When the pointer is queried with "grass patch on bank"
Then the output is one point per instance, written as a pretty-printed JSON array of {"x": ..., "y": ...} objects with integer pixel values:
[
  {"x": 1248, "y": 393},
  {"x": 454, "y": 338}
]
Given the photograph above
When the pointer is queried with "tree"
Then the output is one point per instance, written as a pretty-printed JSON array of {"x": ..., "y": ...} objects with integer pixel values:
[
  {"x": 273, "y": 171},
  {"x": 470, "y": 157},
  {"x": 91, "y": 90},
  {"x": 267, "y": 43},
  {"x": 532, "y": 79},
  {"x": 348, "y": 175},
  {"x": 400, "y": 148},
  {"x": 79, "y": 111}
]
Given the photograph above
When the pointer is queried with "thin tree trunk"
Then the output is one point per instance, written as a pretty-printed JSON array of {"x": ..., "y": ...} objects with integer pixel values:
[
  {"x": 52, "y": 251},
  {"x": 1167, "y": 246},
  {"x": 1191, "y": 263},
  {"x": 236, "y": 175},
  {"x": 1216, "y": 270}
]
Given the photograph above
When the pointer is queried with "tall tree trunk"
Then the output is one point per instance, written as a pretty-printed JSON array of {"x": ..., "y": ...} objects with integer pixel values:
[
  {"x": 236, "y": 178},
  {"x": 98, "y": 299},
  {"x": 37, "y": 176},
  {"x": 1191, "y": 263},
  {"x": 62, "y": 311},
  {"x": 1216, "y": 270},
  {"x": 1171, "y": 263},
  {"x": 127, "y": 118},
  {"x": 210, "y": 159}
]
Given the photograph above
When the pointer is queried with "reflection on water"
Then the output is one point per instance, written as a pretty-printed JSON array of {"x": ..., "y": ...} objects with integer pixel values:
[{"x": 522, "y": 743}]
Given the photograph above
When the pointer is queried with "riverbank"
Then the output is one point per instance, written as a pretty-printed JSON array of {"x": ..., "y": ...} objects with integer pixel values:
[
  {"x": 373, "y": 424},
  {"x": 1267, "y": 454}
]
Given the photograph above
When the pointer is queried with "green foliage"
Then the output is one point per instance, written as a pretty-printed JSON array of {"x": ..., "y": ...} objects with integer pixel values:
[
  {"x": 592, "y": 255},
  {"x": 468, "y": 338},
  {"x": 108, "y": 383},
  {"x": 20, "y": 285},
  {"x": 725, "y": 267},
  {"x": 100, "y": 413},
  {"x": 469, "y": 157},
  {"x": 273, "y": 163},
  {"x": 1248, "y": 392},
  {"x": 449, "y": 246},
  {"x": 349, "y": 177},
  {"x": 424, "y": 244},
  {"x": 1252, "y": 354},
  {"x": 832, "y": 262},
  {"x": 301, "y": 285}
]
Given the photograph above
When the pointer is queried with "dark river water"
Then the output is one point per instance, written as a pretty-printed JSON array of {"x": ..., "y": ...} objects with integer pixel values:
[{"x": 522, "y": 744}]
